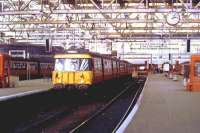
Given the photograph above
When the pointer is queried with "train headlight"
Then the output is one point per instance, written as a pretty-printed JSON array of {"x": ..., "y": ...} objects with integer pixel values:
[
  {"x": 82, "y": 78},
  {"x": 58, "y": 78}
]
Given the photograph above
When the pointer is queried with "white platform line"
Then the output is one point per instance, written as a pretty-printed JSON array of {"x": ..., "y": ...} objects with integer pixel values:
[{"x": 3, "y": 98}]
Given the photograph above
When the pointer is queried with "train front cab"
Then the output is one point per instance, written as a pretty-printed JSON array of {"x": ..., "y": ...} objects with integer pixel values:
[
  {"x": 72, "y": 71},
  {"x": 4, "y": 70},
  {"x": 194, "y": 75}
]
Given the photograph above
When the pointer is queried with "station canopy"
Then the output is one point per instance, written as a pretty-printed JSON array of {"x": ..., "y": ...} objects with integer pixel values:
[{"x": 98, "y": 21}]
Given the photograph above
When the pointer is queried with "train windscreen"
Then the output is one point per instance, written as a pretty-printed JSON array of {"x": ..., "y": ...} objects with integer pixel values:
[{"x": 72, "y": 64}]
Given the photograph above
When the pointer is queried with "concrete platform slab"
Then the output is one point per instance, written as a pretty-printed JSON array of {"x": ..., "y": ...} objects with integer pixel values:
[
  {"x": 166, "y": 107},
  {"x": 26, "y": 87}
]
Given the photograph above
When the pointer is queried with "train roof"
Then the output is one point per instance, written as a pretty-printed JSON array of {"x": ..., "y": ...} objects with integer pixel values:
[
  {"x": 84, "y": 54},
  {"x": 70, "y": 53},
  {"x": 81, "y": 54}
]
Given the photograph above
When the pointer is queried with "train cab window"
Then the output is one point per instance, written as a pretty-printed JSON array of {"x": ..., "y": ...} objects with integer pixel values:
[
  {"x": 59, "y": 64},
  {"x": 72, "y": 64},
  {"x": 197, "y": 69}
]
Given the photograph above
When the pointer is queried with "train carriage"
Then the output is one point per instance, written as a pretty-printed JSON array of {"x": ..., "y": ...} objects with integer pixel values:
[
  {"x": 25, "y": 61},
  {"x": 32, "y": 68},
  {"x": 21, "y": 68}
]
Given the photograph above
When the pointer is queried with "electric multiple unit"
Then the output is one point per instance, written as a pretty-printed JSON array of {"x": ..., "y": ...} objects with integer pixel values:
[{"x": 81, "y": 70}]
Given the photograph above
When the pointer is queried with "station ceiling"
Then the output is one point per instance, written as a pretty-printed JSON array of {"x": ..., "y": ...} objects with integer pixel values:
[{"x": 35, "y": 20}]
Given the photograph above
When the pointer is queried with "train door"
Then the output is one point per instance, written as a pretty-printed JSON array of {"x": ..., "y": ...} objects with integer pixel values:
[{"x": 28, "y": 71}]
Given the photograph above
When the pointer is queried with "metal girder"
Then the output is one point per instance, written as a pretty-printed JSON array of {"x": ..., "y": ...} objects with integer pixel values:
[
  {"x": 94, "y": 21},
  {"x": 198, "y": 4},
  {"x": 95, "y": 11},
  {"x": 132, "y": 29},
  {"x": 105, "y": 16},
  {"x": 138, "y": 10},
  {"x": 20, "y": 18},
  {"x": 147, "y": 37},
  {"x": 152, "y": 37}
]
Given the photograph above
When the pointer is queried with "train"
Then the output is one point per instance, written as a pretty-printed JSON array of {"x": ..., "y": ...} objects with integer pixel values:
[
  {"x": 24, "y": 68},
  {"x": 25, "y": 62},
  {"x": 81, "y": 70},
  {"x": 141, "y": 70}
]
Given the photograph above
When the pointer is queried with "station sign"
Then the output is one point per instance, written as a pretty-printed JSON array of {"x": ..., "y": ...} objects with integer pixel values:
[
  {"x": 135, "y": 56},
  {"x": 17, "y": 53}
]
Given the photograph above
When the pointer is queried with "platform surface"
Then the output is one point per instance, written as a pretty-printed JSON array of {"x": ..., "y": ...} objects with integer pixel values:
[
  {"x": 26, "y": 87},
  {"x": 166, "y": 107}
]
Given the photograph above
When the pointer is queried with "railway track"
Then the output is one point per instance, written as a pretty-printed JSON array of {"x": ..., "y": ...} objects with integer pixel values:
[
  {"x": 93, "y": 124},
  {"x": 63, "y": 112},
  {"x": 141, "y": 83},
  {"x": 94, "y": 101},
  {"x": 84, "y": 123}
]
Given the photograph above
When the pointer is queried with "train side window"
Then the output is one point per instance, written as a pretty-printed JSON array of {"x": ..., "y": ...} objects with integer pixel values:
[
  {"x": 110, "y": 64},
  {"x": 97, "y": 64},
  {"x": 59, "y": 64},
  {"x": 122, "y": 67},
  {"x": 114, "y": 65},
  {"x": 197, "y": 69}
]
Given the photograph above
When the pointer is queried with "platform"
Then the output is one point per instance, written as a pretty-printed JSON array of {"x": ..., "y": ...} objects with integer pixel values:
[
  {"x": 166, "y": 107},
  {"x": 26, "y": 87}
]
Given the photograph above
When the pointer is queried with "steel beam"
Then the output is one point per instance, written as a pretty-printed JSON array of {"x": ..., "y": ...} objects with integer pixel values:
[
  {"x": 96, "y": 11},
  {"x": 128, "y": 10},
  {"x": 152, "y": 37},
  {"x": 132, "y": 29},
  {"x": 197, "y": 5},
  {"x": 91, "y": 21}
]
